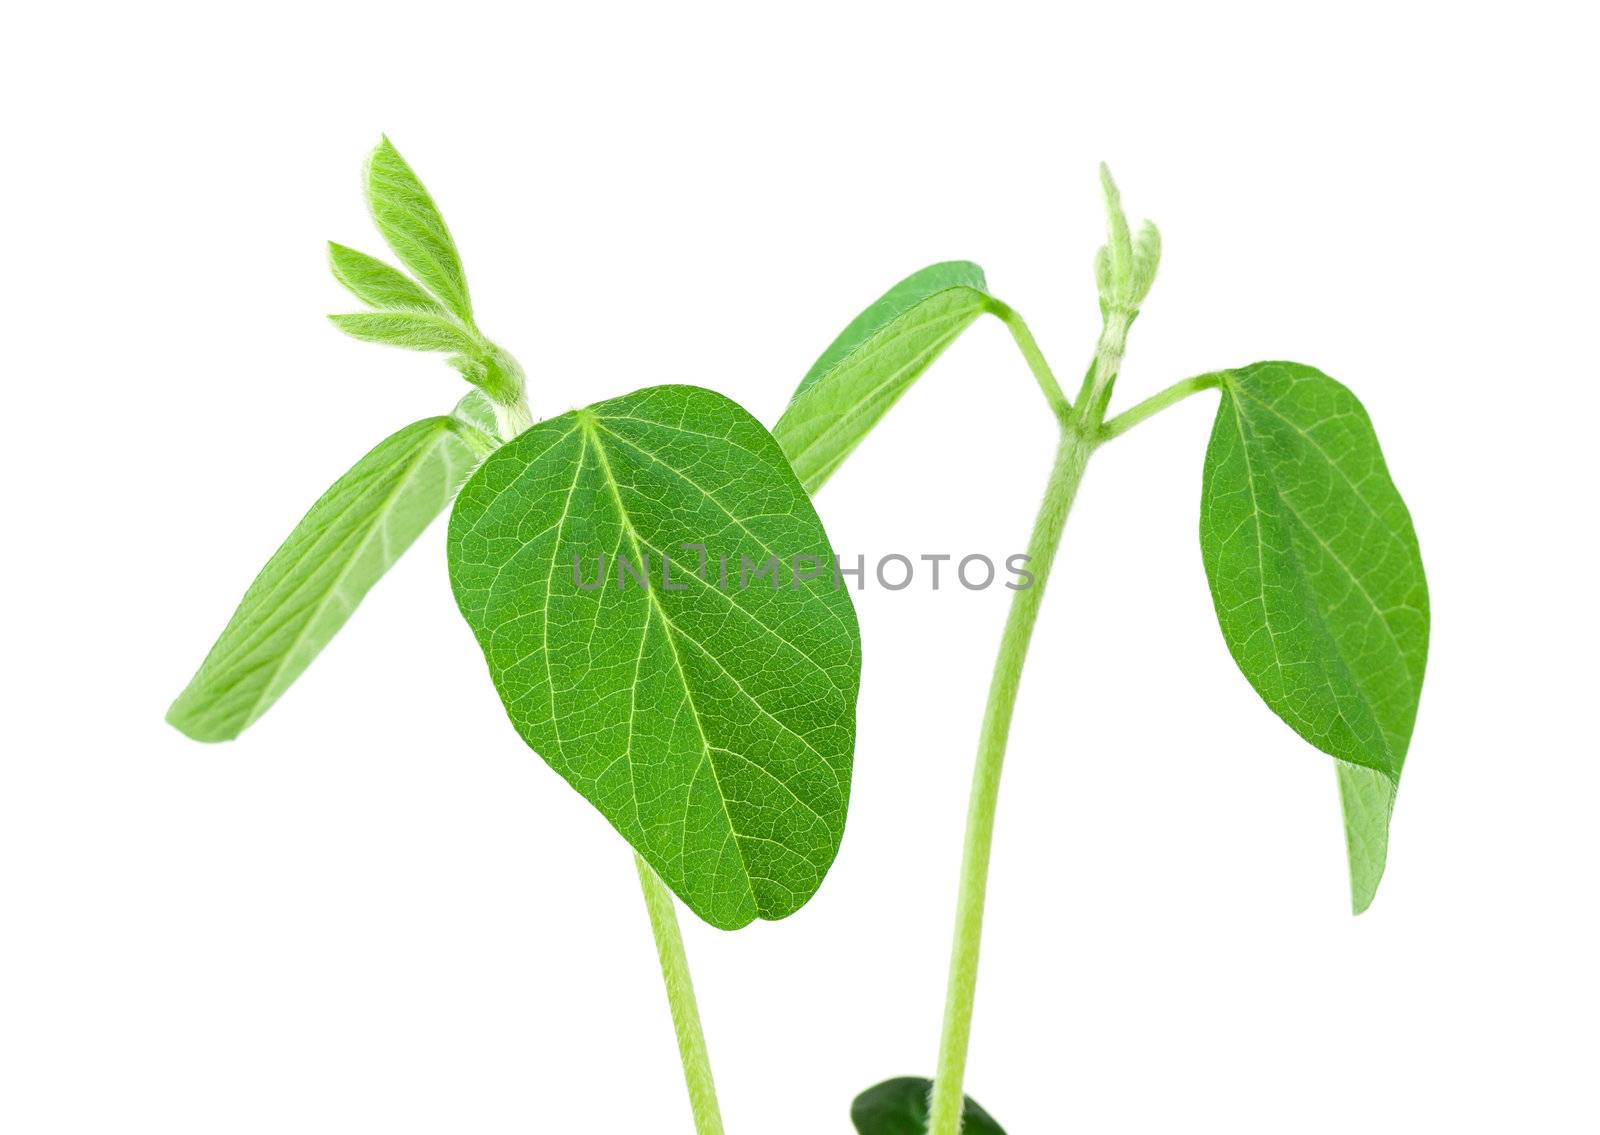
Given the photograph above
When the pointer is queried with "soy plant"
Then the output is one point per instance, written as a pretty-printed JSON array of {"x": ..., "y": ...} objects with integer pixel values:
[
  {"x": 1313, "y": 566},
  {"x": 712, "y": 726}
]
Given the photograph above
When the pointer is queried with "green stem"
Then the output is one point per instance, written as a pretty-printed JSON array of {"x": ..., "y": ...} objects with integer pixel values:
[
  {"x": 1154, "y": 404},
  {"x": 1036, "y": 360},
  {"x": 1102, "y": 374},
  {"x": 512, "y": 418},
  {"x": 680, "y": 995},
  {"x": 1072, "y": 456}
]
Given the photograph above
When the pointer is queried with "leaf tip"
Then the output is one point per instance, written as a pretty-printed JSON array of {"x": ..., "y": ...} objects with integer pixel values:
[
  {"x": 1118, "y": 246},
  {"x": 1365, "y": 875},
  {"x": 195, "y": 728},
  {"x": 1108, "y": 183}
]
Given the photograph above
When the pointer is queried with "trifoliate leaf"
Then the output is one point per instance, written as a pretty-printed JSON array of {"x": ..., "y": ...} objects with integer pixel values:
[{"x": 412, "y": 224}]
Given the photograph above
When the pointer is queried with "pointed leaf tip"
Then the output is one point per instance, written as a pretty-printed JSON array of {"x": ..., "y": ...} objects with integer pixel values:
[
  {"x": 1119, "y": 244},
  {"x": 310, "y": 586},
  {"x": 1109, "y": 184},
  {"x": 414, "y": 228},
  {"x": 377, "y": 284}
]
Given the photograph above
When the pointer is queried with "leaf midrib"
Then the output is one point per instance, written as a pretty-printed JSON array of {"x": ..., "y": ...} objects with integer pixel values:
[
  {"x": 320, "y": 605},
  {"x": 587, "y": 422},
  {"x": 264, "y": 631},
  {"x": 859, "y": 405},
  {"x": 1397, "y": 539},
  {"x": 1311, "y": 609},
  {"x": 743, "y": 527}
]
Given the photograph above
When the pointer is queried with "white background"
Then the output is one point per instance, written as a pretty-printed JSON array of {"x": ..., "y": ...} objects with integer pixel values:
[{"x": 378, "y": 912}]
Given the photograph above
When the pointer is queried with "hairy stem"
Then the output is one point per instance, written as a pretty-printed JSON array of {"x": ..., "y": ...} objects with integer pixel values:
[
  {"x": 680, "y": 995},
  {"x": 512, "y": 418},
  {"x": 1154, "y": 404},
  {"x": 1102, "y": 375},
  {"x": 1072, "y": 456},
  {"x": 1036, "y": 360}
]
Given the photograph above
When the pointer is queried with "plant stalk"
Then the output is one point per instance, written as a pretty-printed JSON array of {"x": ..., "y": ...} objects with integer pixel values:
[
  {"x": 1154, "y": 404},
  {"x": 680, "y": 996},
  {"x": 1078, "y": 441},
  {"x": 512, "y": 418},
  {"x": 1042, "y": 373}
]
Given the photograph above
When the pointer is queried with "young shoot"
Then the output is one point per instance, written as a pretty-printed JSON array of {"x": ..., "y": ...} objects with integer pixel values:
[
  {"x": 1313, "y": 565},
  {"x": 713, "y": 728}
]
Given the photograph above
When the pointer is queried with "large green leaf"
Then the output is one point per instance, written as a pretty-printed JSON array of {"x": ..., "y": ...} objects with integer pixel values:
[
  {"x": 313, "y": 582},
  {"x": 1318, "y": 585},
  {"x": 900, "y": 1107},
  {"x": 712, "y": 724},
  {"x": 409, "y": 220},
  {"x": 873, "y": 362}
]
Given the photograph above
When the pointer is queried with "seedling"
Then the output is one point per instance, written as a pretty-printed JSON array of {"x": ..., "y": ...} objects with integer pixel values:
[
  {"x": 713, "y": 727},
  {"x": 1314, "y": 569}
]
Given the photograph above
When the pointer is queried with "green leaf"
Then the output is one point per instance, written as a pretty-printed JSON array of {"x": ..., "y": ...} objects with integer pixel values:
[
  {"x": 1318, "y": 585},
  {"x": 409, "y": 220},
  {"x": 314, "y": 581},
  {"x": 474, "y": 370},
  {"x": 373, "y": 282},
  {"x": 873, "y": 362},
  {"x": 411, "y": 329},
  {"x": 900, "y": 1107},
  {"x": 713, "y": 725}
]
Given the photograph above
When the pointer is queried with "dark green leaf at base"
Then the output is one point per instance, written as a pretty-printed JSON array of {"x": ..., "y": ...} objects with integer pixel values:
[{"x": 900, "y": 1107}]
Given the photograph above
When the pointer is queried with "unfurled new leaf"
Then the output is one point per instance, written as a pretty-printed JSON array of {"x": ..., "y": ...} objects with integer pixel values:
[
  {"x": 900, "y": 1107},
  {"x": 409, "y": 314},
  {"x": 1146, "y": 259},
  {"x": 1119, "y": 244},
  {"x": 313, "y": 582},
  {"x": 409, "y": 220},
  {"x": 1125, "y": 267},
  {"x": 415, "y": 330},
  {"x": 373, "y": 282},
  {"x": 706, "y": 710},
  {"x": 1318, "y": 585},
  {"x": 873, "y": 362}
]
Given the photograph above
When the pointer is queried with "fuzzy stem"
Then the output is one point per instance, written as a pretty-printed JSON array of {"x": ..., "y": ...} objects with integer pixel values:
[
  {"x": 1036, "y": 361},
  {"x": 1072, "y": 456},
  {"x": 512, "y": 418},
  {"x": 1102, "y": 376},
  {"x": 680, "y": 995},
  {"x": 1154, "y": 404}
]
